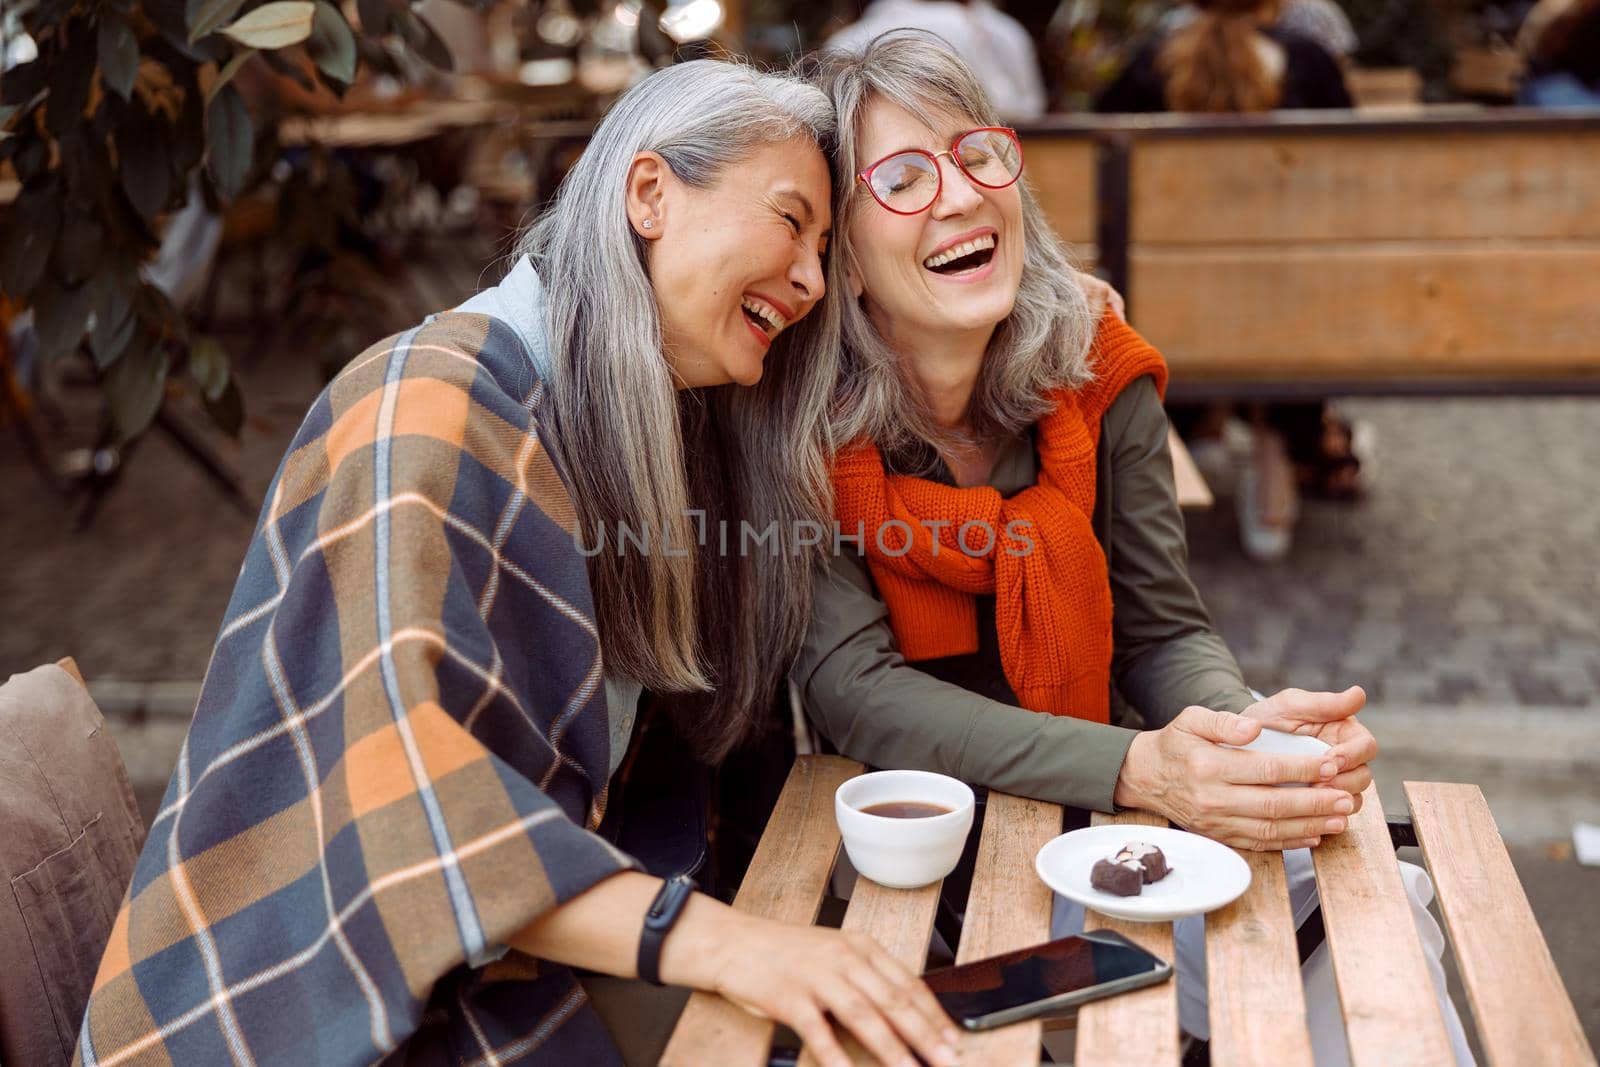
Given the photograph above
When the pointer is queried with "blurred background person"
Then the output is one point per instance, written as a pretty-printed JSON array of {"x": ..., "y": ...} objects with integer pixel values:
[
  {"x": 1233, "y": 55},
  {"x": 1236, "y": 56},
  {"x": 1322, "y": 21},
  {"x": 996, "y": 46},
  {"x": 1560, "y": 42}
]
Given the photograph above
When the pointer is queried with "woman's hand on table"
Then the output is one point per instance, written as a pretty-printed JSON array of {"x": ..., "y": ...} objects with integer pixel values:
[
  {"x": 800, "y": 975},
  {"x": 1183, "y": 773},
  {"x": 1330, "y": 717}
]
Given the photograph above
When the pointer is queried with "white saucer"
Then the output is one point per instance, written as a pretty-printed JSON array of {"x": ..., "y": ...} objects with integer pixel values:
[{"x": 1204, "y": 875}]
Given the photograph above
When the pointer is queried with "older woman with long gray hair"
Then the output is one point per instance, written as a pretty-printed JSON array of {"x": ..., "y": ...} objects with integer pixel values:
[
  {"x": 388, "y": 836},
  {"x": 1021, "y": 596}
]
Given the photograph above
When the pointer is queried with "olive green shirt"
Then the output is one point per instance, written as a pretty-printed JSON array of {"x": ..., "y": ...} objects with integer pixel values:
[{"x": 875, "y": 707}]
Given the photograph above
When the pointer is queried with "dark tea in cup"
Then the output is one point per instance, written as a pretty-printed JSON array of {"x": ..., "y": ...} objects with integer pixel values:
[
  {"x": 906, "y": 809},
  {"x": 903, "y": 829}
]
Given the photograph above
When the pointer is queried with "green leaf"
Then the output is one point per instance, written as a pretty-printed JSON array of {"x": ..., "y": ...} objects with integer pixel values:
[
  {"x": 30, "y": 236},
  {"x": 189, "y": 132},
  {"x": 210, "y": 16},
  {"x": 142, "y": 159},
  {"x": 80, "y": 246},
  {"x": 374, "y": 16},
  {"x": 174, "y": 18},
  {"x": 119, "y": 56},
  {"x": 275, "y": 25},
  {"x": 69, "y": 81},
  {"x": 134, "y": 389},
  {"x": 61, "y": 318},
  {"x": 114, "y": 319},
  {"x": 208, "y": 365},
  {"x": 225, "y": 75},
  {"x": 332, "y": 45},
  {"x": 81, "y": 163},
  {"x": 231, "y": 136},
  {"x": 425, "y": 40}
]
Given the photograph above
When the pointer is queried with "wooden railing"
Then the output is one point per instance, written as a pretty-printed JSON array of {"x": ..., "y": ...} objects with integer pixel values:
[{"x": 1317, "y": 252}]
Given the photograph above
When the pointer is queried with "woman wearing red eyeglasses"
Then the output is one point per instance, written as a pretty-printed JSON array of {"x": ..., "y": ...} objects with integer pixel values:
[
  {"x": 1010, "y": 540},
  {"x": 1010, "y": 573},
  {"x": 1015, "y": 578}
]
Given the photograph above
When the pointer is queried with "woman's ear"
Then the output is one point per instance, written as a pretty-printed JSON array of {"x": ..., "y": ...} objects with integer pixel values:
[{"x": 645, "y": 194}]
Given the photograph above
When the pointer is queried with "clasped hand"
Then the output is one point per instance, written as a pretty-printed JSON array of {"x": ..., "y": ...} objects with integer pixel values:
[{"x": 1184, "y": 772}]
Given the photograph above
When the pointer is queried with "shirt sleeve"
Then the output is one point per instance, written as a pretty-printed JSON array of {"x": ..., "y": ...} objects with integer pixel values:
[
  {"x": 873, "y": 706},
  {"x": 1166, "y": 655}
]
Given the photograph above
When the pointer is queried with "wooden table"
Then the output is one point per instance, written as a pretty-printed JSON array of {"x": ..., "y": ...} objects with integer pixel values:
[{"x": 1257, "y": 1008}]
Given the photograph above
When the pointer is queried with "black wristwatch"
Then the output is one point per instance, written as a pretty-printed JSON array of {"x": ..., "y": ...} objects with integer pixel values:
[{"x": 658, "y": 923}]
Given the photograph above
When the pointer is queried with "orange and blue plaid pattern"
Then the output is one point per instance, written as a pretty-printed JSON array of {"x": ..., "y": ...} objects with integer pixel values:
[{"x": 399, "y": 755}]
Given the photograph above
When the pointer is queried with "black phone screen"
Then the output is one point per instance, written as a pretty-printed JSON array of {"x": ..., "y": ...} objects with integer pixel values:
[{"x": 1043, "y": 972}]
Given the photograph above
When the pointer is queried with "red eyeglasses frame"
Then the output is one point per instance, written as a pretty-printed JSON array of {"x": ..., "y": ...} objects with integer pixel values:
[{"x": 865, "y": 176}]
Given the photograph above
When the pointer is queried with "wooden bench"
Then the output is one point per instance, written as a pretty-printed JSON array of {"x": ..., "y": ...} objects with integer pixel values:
[
  {"x": 1257, "y": 1011},
  {"x": 1321, "y": 253}
]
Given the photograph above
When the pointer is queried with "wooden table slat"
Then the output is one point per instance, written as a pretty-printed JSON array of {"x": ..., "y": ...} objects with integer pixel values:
[
  {"x": 1009, "y": 908},
  {"x": 1257, "y": 1004},
  {"x": 1148, "y": 1016},
  {"x": 786, "y": 880},
  {"x": 1517, "y": 995},
  {"x": 1391, "y": 1014},
  {"x": 901, "y": 920}
]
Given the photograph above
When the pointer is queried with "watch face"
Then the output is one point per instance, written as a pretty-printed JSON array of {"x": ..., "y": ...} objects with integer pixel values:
[
  {"x": 658, "y": 922},
  {"x": 670, "y": 900}
]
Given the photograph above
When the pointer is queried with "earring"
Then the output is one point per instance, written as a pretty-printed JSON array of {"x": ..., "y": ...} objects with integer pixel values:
[{"x": 649, "y": 223}]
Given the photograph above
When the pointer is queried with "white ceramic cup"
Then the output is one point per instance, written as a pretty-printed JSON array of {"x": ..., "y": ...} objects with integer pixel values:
[
  {"x": 903, "y": 853},
  {"x": 1279, "y": 743}
]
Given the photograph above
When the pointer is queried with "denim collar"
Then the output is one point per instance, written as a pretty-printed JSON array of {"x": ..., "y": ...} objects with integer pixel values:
[{"x": 519, "y": 302}]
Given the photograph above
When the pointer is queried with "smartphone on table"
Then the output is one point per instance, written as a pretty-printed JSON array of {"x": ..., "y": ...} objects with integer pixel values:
[{"x": 1044, "y": 980}]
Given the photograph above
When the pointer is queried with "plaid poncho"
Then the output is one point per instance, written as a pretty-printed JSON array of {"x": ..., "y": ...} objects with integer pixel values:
[{"x": 399, "y": 754}]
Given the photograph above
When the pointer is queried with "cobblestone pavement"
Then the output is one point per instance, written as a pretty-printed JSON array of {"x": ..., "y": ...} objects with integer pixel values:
[
  {"x": 1468, "y": 575},
  {"x": 139, "y": 594}
]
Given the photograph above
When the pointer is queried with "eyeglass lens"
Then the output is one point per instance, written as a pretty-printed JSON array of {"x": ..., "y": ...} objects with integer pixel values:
[{"x": 909, "y": 182}]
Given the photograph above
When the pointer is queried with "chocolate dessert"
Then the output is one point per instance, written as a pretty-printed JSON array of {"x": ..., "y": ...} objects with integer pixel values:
[
  {"x": 1149, "y": 858},
  {"x": 1123, "y": 879}
]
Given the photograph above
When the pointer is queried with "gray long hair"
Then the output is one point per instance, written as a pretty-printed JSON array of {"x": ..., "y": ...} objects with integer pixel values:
[
  {"x": 636, "y": 451},
  {"x": 1042, "y": 345}
]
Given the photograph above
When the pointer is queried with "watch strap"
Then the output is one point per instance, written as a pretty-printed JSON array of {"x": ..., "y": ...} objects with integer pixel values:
[{"x": 658, "y": 923}]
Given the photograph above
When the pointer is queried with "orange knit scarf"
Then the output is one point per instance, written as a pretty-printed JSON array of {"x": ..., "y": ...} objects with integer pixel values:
[{"x": 1043, "y": 563}]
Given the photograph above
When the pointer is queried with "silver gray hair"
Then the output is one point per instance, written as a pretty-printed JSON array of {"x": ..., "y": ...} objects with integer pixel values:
[
  {"x": 1041, "y": 346},
  {"x": 636, "y": 451}
]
